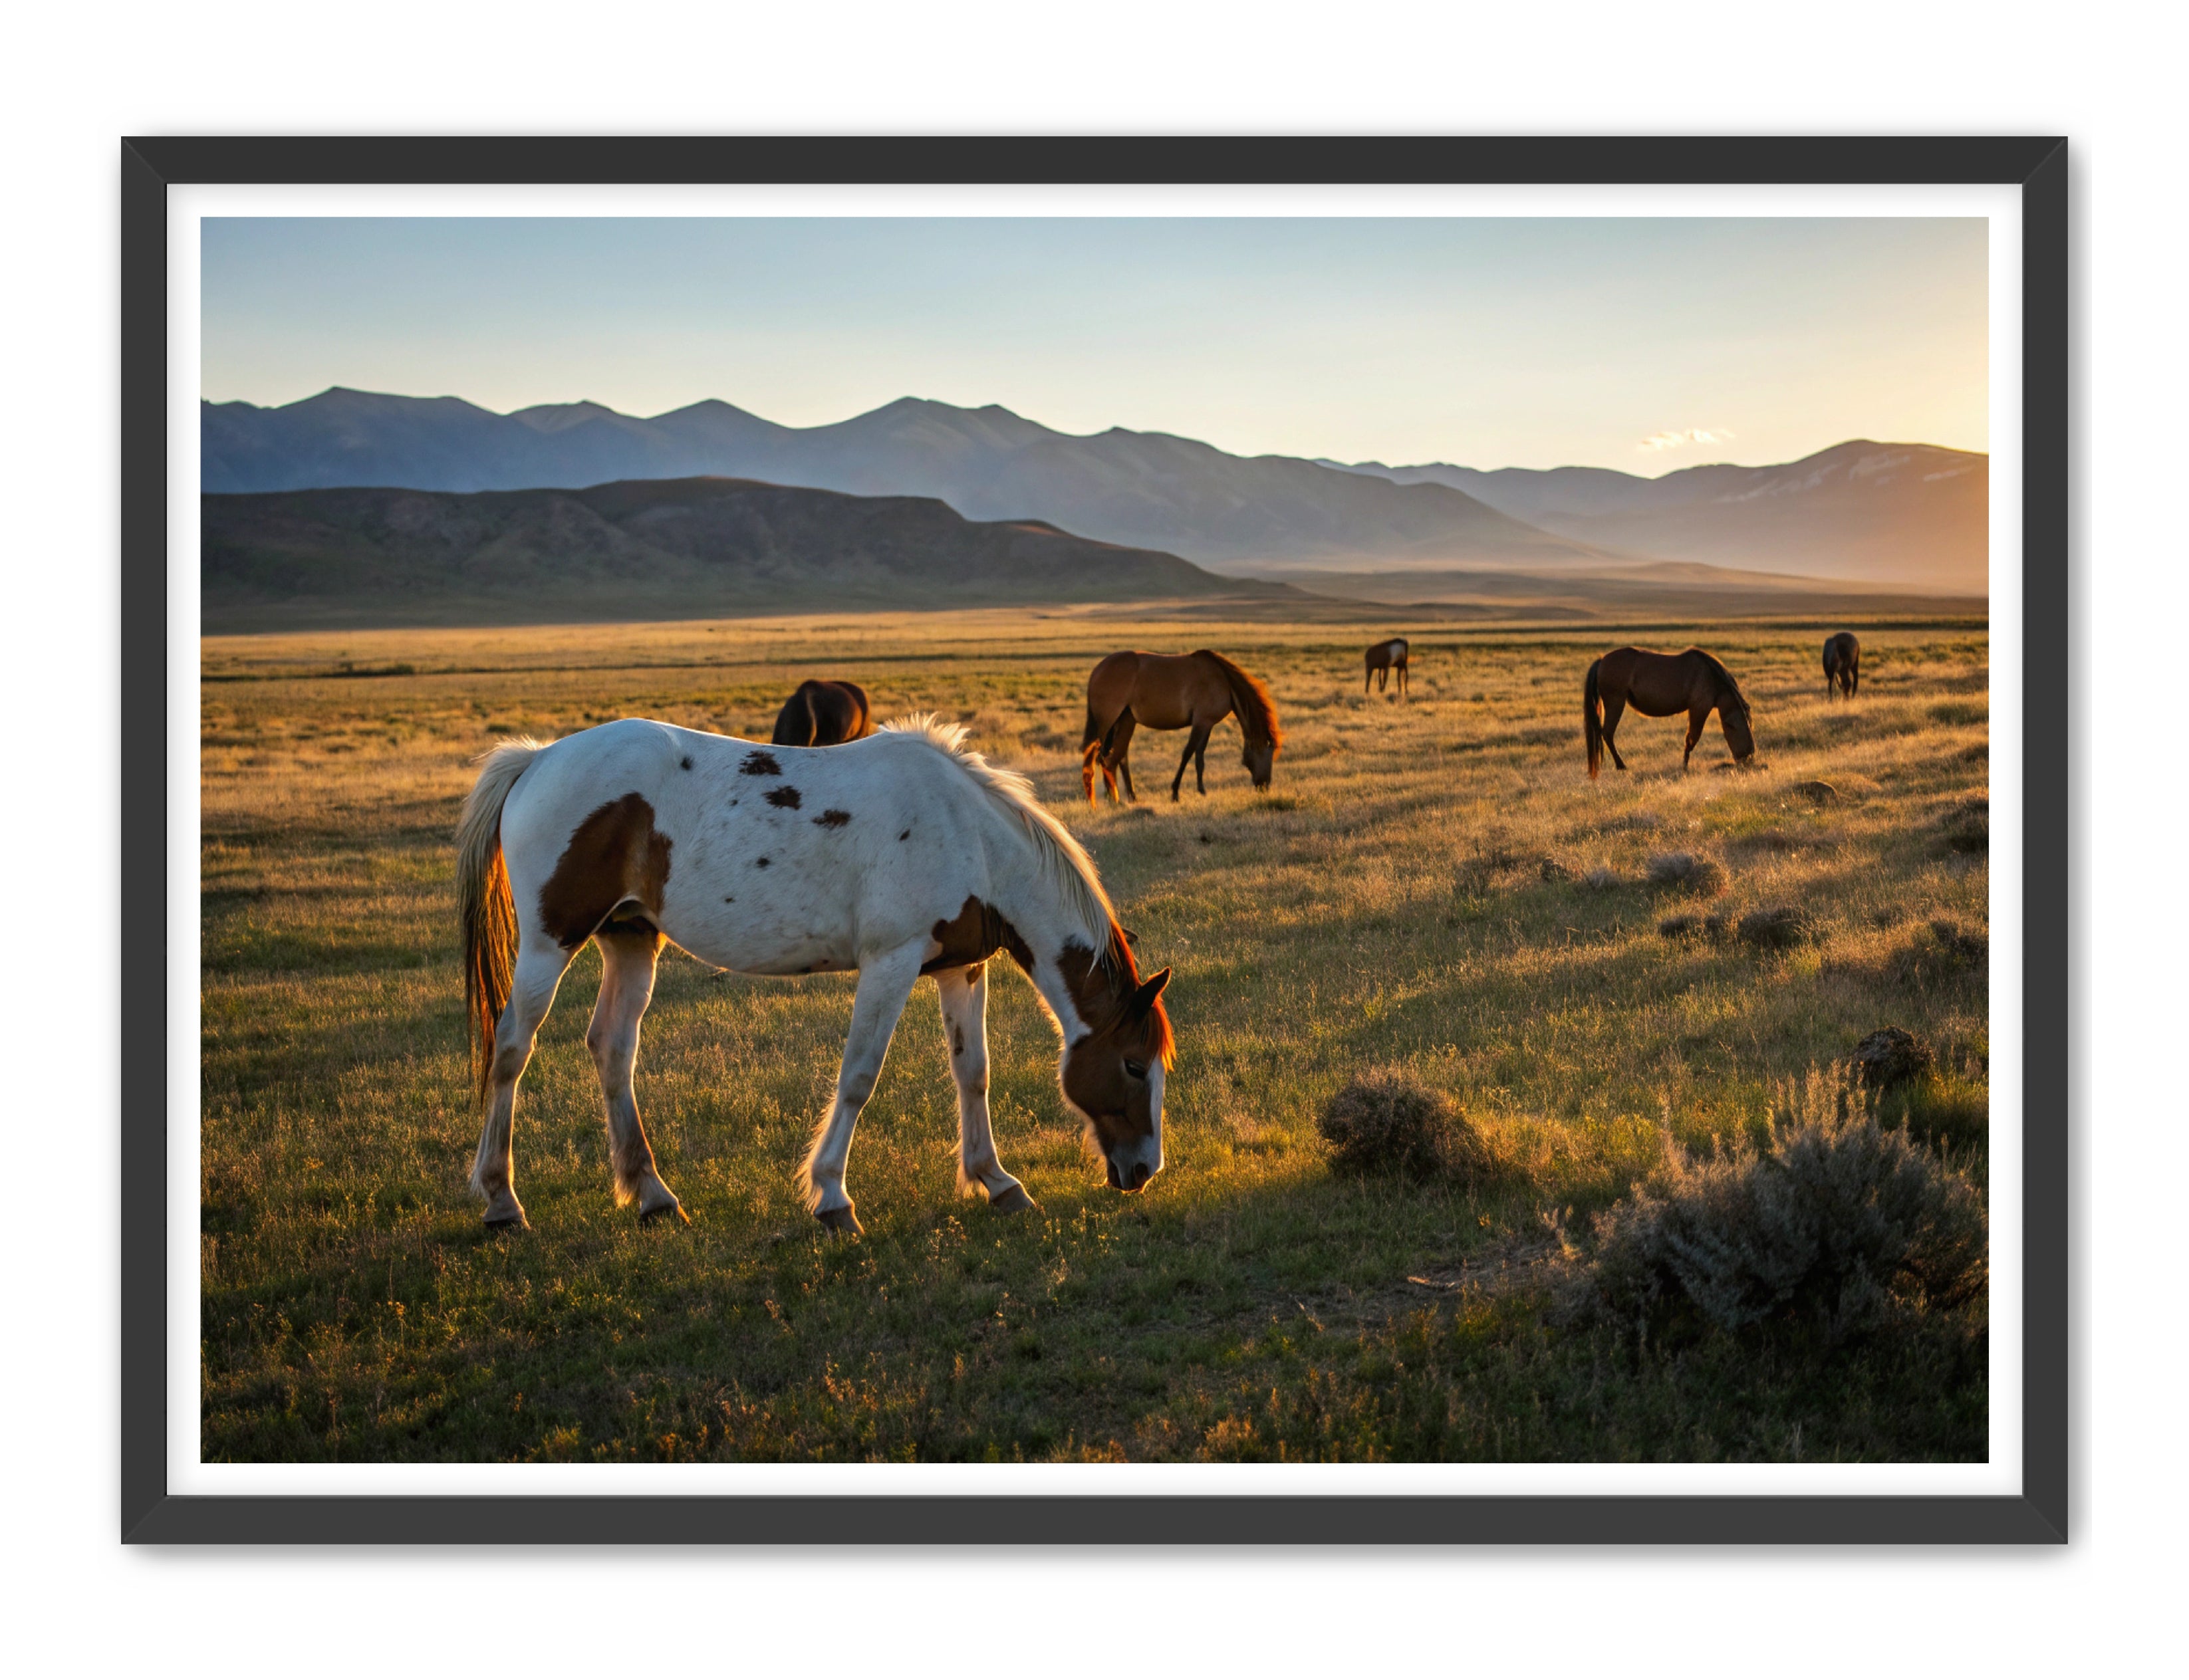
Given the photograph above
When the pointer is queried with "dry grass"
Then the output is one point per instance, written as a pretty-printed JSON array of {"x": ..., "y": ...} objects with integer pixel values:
[{"x": 1412, "y": 895}]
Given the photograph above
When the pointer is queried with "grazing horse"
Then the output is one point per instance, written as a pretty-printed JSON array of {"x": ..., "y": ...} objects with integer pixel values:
[
  {"x": 1842, "y": 664},
  {"x": 1384, "y": 658},
  {"x": 1193, "y": 691},
  {"x": 900, "y": 855},
  {"x": 1658, "y": 685},
  {"x": 823, "y": 714}
]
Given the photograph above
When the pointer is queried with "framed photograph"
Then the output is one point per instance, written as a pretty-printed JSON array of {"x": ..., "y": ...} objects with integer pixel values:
[{"x": 1079, "y": 840}]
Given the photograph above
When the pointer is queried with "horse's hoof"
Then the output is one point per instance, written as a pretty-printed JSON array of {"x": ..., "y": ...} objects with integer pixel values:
[
  {"x": 1014, "y": 1200},
  {"x": 842, "y": 1221},
  {"x": 516, "y": 1221},
  {"x": 646, "y": 1216}
]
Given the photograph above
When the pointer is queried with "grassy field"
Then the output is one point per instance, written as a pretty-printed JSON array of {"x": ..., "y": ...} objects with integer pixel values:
[{"x": 1435, "y": 885}]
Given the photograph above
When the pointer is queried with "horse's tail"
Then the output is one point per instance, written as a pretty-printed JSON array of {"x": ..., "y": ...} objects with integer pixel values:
[
  {"x": 1592, "y": 721},
  {"x": 485, "y": 904}
]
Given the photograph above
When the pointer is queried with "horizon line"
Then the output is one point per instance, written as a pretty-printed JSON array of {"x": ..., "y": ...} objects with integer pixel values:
[{"x": 1328, "y": 462}]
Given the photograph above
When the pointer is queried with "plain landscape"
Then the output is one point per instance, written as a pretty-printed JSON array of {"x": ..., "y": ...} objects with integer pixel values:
[{"x": 1433, "y": 890}]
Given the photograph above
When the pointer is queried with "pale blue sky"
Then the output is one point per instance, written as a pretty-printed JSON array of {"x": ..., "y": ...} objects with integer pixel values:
[{"x": 1536, "y": 343}]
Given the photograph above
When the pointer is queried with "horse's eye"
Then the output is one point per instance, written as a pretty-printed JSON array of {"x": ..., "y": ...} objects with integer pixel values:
[{"x": 1139, "y": 1069}]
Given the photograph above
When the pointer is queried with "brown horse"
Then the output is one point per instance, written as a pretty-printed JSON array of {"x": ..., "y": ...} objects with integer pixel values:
[
  {"x": 823, "y": 714},
  {"x": 1194, "y": 691},
  {"x": 1384, "y": 658},
  {"x": 1842, "y": 664},
  {"x": 1658, "y": 685}
]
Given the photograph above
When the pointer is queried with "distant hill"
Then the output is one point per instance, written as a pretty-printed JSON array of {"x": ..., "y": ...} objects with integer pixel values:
[
  {"x": 647, "y": 549},
  {"x": 1912, "y": 514},
  {"x": 1140, "y": 488},
  {"x": 1903, "y": 515}
]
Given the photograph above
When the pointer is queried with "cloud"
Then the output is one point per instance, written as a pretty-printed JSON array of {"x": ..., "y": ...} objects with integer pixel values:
[{"x": 1674, "y": 440}]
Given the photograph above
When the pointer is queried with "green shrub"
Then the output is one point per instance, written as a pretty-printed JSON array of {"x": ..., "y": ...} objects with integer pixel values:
[
  {"x": 1387, "y": 1121},
  {"x": 1967, "y": 826},
  {"x": 1686, "y": 872},
  {"x": 1838, "y": 1217}
]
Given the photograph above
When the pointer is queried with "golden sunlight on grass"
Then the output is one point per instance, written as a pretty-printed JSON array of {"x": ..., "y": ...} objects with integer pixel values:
[{"x": 1433, "y": 886}]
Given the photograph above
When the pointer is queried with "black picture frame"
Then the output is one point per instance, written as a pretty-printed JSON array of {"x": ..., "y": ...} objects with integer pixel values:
[{"x": 151, "y": 1514}]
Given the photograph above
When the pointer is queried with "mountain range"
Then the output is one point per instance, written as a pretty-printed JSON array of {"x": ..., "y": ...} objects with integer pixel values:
[
  {"x": 1902, "y": 516},
  {"x": 1914, "y": 514},
  {"x": 657, "y": 548}
]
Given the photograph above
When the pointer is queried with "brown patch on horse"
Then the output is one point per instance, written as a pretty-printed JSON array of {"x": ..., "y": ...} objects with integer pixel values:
[
  {"x": 1125, "y": 1021},
  {"x": 973, "y": 935},
  {"x": 833, "y": 818},
  {"x": 759, "y": 764},
  {"x": 783, "y": 798},
  {"x": 615, "y": 856}
]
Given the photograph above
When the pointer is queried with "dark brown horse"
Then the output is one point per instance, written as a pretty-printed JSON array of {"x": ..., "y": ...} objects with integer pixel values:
[
  {"x": 1194, "y": 691},
  {"x": 1384, "y": 658},
  {"x": 1842, "y": 664},
  {"x": 1658, "y": 685},
  {"x": 823, "y": 714}
]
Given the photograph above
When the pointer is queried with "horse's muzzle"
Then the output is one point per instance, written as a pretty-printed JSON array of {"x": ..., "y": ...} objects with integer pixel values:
[{"x": 1133, "y": 1179}]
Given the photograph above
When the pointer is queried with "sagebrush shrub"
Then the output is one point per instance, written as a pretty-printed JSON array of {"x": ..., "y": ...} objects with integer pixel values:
[
  {"x": 1838, "y": 1217},
  {"x": 1387, "y": 1121},
  {"x": 1686, "y": 872}
]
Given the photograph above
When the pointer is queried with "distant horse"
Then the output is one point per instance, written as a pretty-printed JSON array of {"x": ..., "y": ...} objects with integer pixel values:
[
  {"x": 1658, "y": 685},
  {"x": 1194, "y": 691},
  {"x": 900, "y": 855},
  {"x": 1842, "y": 664},
  {"x": 1384, "y": 658},
  {"x": 823, "y": 714}
]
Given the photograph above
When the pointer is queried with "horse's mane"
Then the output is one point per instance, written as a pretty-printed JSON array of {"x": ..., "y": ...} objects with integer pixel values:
[
  {"x": 1063, "y": 859},
  {"x": 1257, "y": 712},
  {"x": 1725, "y": 677}
]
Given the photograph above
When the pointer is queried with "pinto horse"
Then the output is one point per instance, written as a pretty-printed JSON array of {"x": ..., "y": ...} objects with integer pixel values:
[
  {"x": 1193, "y": 691},
  {"x": 1842, "y": 664},
  {"x": 901, "y": 855},
  {"x": 823, "y": 714},
  {"x": 1384, "y": 658},
  {"x": 1658, "y": 685}
]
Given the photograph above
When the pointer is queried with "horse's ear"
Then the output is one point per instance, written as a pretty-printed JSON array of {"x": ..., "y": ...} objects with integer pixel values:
[{"x": 1145, "y": 993}]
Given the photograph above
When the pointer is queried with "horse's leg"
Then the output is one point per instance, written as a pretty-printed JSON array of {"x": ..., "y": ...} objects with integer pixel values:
[
  {"x": 1183, "y": 758},
  {"x": 1201, "y": 762},
  {"x": 1614, "y": 707},
  {"x": 539, "y": 965},
  {"x": 627, "y": 956},
  {"x": 1195, "y": 740},
  {"x": 1117, "y": 753},
  {"x": 1695, "y": 721},
  {"x": 885, "y": 984},
  {"x": 964, "y": 994}
]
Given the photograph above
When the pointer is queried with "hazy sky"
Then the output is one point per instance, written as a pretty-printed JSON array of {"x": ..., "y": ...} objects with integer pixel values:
[{"x": 1644, "y": 344}]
